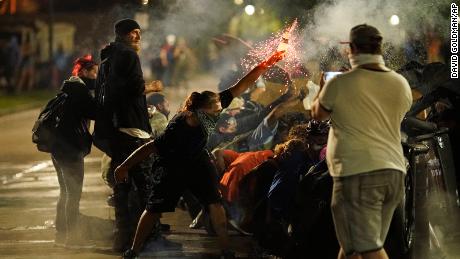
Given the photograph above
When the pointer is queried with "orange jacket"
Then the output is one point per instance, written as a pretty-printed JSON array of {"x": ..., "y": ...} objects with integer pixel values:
[{"x": 240, "y": 167}]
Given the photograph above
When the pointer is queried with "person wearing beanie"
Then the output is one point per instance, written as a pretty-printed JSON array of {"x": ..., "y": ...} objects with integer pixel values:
[
  {"x": 128, "y": 31},
  {"x": 364, "y": 154},
  {"x": 123, "y": 124}
]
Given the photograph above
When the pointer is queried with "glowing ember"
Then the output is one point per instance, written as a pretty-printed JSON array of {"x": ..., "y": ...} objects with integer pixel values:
[{"x": 287, "y": 40}]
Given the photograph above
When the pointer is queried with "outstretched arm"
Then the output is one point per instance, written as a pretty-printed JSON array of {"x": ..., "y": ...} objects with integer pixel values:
[
  {"x": 252, "y": 76},
  {"x": 121, "y": 172}
]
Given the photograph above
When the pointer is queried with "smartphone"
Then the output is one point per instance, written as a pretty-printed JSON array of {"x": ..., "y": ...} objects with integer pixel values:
[{"x": 329, "y": 75}]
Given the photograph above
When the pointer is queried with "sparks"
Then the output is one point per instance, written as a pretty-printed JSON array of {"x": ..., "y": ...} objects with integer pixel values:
[{"x": 287, "y": 40}]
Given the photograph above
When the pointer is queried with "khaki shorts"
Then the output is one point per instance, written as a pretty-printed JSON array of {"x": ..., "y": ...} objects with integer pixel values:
[{"x": 363, "y": 206}]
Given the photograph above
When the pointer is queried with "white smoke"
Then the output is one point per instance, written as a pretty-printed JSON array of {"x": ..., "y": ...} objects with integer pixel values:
[{"x": 332, "y": 20}]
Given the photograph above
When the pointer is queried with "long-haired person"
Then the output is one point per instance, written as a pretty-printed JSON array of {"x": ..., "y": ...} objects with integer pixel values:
[{"x": 184, "y": 162}]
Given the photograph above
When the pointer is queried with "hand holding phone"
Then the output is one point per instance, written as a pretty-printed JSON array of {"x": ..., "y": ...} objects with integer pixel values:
[{"x": 331, "y": 74}]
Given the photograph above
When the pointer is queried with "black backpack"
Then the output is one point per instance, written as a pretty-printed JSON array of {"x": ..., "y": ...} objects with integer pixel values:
[
  {"x": 104, "y": 126},
  {"x": 46, "y": 127}
]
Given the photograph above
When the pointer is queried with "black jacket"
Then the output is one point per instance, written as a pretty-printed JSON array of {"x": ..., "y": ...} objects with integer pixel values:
[
  {"x": 73, "y": 133},
  {"x": 126, "y": 87}
]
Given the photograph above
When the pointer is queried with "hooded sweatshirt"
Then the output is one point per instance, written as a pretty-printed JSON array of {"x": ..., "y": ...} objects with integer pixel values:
[
  {"x": 126, "y": 87},
  {"x": 74, "y": 137}
]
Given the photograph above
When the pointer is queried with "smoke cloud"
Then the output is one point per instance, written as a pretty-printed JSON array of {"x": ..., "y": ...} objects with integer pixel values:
[{"x": 331, "y": 21}]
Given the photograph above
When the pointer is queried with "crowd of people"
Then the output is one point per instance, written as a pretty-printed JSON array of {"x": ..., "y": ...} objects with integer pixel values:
[{"x": 262, "y": 170}]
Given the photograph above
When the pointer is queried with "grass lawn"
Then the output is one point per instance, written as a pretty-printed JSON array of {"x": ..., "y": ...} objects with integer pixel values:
[{"x": 24, "y": 101}]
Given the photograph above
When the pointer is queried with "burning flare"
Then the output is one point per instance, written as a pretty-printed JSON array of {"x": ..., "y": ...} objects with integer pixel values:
[{"x": 284, "y": 43}]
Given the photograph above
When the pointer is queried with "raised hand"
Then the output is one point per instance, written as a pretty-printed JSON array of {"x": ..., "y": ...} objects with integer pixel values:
[{"x": 273, "y": 59}]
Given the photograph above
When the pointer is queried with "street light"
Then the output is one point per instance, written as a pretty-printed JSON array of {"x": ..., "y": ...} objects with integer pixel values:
[
  {"x": 249, "y": 9},
  {"x": 145, "y": 2},
  {"x": 394, "y": 20},
  {"x": 238, "y": 2}
]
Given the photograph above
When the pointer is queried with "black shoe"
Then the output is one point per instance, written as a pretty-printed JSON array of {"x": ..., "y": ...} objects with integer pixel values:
[
  {"x": 129, "y": 254},
  {"x": 165, "y": 227},
  {"x": 121, "y": 242},
  {"x": 227, "y": 254}
]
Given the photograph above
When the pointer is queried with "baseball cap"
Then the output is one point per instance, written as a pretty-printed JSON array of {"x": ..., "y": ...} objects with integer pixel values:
[{"x": 364, "y": 34}]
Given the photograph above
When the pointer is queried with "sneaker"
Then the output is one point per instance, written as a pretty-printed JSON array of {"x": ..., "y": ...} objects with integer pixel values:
[
  {"x": 121, "y": 242},
  {"x": 165, "y": 227},
  {"x": 197, "y": 223},
  {"x": 129, "y": 254},
  {"x": 227, "y": 254}
]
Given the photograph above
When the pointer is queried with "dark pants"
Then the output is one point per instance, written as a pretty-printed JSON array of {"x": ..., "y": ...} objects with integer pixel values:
[
  {"x": 70, "y": 174},
  {"x": 130, "y": 197}
]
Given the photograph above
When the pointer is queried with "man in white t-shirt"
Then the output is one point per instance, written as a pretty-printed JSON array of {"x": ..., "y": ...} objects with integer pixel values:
[{"x": 364, "y": 153}]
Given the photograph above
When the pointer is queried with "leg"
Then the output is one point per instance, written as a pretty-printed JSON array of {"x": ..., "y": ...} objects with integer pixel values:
[
  {"x": 73, "y": 178},
  {"x": 193, "y": 205},
  {"x": 379, "y": 254},
  {"x": 141, "y": 175},
  {"x": 119, "y": 146},
  {"x": 144, "y": 229},
  {"x": 60, "y": 207},
  {"x": 342, "y": 255},
  {"x": 219, "y": 222}
]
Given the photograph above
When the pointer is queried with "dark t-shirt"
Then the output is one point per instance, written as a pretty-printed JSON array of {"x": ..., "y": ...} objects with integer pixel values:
[{"x": 182, "y": 141}]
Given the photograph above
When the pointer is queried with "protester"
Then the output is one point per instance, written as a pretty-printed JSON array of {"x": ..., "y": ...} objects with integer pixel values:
[
  {"x": 73, "y": 144},
  {"x": 185, "y": 63},
  {"x": 239, "y": 164},
  {"x": 168, "y": 59},
  {"x": 186, "y": 137},
  {"x": 364, "y": 153},
  {"x": 11, "y": 55},
  {"x": 125, "y": 123},
  {"x": 158, "y": 112},
  {"x": 26, "y": 77},
  {"x": 232, "y": 125},
  {"x": 275, "y": 126},
  {"x": 60, "y": 60}
]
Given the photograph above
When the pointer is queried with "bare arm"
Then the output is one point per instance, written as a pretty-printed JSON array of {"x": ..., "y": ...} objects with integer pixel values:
[
  {"x": 252, "y": 76},
  {"x": 318, "y": 112},
  {"x": 280, "y": 110},
  {"x": 121, "y": 172}
]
